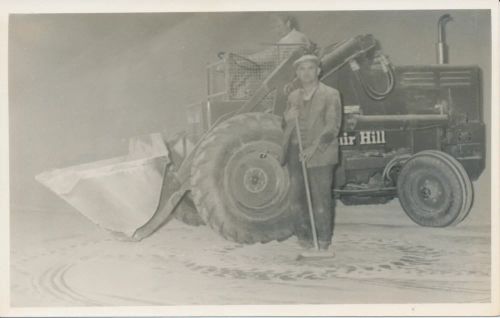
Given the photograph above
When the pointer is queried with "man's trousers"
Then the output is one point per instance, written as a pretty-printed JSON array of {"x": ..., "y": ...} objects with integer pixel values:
[{"x": 320, "y": 185}]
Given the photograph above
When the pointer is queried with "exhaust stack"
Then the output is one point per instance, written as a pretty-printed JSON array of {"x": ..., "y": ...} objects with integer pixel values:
[{"x": 441, "y": 46}]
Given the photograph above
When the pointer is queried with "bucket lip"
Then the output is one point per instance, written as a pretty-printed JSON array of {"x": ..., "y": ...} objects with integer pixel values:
[
  {"x": 141, "y": 153},
  {"x": 114, "y": 163},
  {"x": 107, "y": 165},
  {"x": 63, "y": 181}
]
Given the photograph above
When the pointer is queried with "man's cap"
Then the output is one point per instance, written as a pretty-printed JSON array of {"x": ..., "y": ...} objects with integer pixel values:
[{"x": 306, "y": 58}]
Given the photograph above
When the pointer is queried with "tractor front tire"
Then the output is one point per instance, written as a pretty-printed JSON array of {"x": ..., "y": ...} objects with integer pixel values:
[
  {"x": 238, "y": 185},
  {"x": 434, "y": 189}
]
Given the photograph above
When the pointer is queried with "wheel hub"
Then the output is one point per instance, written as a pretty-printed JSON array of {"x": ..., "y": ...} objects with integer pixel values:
[
  {"x": 430, "y": 191},
  {"x": 431, "y": 194},
  {"x": 254, "y": 178}
]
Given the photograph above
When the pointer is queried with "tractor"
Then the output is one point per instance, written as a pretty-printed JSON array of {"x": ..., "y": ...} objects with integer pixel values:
[{"x": 414, "y": 132}]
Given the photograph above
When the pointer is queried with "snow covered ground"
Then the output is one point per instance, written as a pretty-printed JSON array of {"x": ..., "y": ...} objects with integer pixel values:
[{"x": 59, "y": 258}]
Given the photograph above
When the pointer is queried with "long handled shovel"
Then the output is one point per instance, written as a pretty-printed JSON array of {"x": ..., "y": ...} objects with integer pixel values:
[{"x": 317, "y": 253}]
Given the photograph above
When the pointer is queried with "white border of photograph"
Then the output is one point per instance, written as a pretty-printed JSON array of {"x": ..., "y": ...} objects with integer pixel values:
[{"x": 90, "y": 6}]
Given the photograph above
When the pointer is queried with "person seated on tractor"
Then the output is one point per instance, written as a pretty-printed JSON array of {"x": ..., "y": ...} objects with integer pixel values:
[
  {"x": 319, "y": 112},
  {"x": 248, "y": 71},
  {"x": 286, "y": 27}
]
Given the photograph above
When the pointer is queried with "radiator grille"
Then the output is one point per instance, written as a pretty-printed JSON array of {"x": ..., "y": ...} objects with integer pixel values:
[{"x": 427, "y": 79}]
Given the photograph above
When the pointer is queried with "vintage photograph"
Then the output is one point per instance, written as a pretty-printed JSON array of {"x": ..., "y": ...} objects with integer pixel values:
[{"x": 250, "y": 158}]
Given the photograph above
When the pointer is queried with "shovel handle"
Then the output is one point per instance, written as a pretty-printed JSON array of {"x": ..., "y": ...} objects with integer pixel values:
[{"x": 306, "y": 183}]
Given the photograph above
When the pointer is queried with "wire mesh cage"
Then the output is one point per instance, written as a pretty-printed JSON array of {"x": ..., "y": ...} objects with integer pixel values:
[{"x": 239, "y": 74}]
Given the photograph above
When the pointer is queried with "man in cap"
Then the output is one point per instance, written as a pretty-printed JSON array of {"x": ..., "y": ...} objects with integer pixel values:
[{"x": 318, "y": 108}]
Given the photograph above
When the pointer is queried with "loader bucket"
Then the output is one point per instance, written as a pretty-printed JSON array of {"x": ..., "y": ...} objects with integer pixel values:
[{"x": 119, "y": 194}]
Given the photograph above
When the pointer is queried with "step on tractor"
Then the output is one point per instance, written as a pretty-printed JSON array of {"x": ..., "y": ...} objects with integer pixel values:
[{"x": 414, "y": 132}]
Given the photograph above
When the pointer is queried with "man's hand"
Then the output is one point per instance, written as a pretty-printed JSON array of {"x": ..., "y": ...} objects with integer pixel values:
[
  {"x": 291, "y": 114},
  {"x": 291, "y": 86},
  {"x": 307, "y": 154}
]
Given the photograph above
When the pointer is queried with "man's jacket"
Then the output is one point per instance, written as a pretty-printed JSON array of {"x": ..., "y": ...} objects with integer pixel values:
[{"x": 322, "y": 124}]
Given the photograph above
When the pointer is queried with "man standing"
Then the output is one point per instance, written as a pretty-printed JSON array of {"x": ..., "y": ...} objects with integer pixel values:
[{"x": 318, "y": 108}]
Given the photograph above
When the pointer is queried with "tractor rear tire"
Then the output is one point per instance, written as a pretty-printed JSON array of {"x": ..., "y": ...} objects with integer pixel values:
[
  {"x": 465, "y": 180},
  {"x": 434, "y": 189},
  {"x": 237, "y": 183}
]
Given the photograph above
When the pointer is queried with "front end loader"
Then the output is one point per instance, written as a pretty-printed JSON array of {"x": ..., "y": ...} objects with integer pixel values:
[{"x": 413, "y": 132}]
